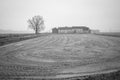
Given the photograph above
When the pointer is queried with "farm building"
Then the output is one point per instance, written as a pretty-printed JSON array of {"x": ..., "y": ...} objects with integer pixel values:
[{"x": 69, "y": 30}]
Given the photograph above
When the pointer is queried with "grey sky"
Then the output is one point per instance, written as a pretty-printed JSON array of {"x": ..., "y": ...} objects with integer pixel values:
[{"x": 96, "y": 14}]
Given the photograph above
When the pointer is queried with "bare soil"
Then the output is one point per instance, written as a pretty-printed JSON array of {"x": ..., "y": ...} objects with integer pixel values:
[{"x": 61, "y": 56}]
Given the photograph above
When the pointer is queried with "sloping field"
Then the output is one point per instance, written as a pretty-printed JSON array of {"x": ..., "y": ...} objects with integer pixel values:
[
  {"x": 10, "y": 38},
  {"x": 60, "y": 56}
]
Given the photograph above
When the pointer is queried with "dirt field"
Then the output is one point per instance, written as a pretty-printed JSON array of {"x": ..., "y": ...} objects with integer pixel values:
[
  {"x": 60, "y": 56},
  {"x": 11, "y": 38}
]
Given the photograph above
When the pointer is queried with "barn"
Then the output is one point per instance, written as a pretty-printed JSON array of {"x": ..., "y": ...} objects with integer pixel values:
[{"x": 71, "y": 30}]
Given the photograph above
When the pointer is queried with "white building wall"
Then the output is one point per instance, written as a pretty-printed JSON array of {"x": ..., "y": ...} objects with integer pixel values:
[
  {"x": 72, "y": 31},
  {"x": 79, "y": 30}
]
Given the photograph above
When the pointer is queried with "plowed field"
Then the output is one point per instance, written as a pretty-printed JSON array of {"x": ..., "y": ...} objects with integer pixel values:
[{"x": 58, "y": 56}]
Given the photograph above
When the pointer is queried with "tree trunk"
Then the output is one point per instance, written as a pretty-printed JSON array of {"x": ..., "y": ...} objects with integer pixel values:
[{"x": 36, "y": 31}]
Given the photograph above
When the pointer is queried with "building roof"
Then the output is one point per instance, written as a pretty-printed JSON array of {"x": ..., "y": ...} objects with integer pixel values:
[
  {"x": 54, "y": 28},
  {"x": 80, "y": 27},
  {"x": 75, "y": 27},
  {"x": 64, "y": 28}
]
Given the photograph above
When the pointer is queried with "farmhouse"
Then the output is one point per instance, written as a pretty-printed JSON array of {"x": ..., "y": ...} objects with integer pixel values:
[{"x": 73, "y": 29}]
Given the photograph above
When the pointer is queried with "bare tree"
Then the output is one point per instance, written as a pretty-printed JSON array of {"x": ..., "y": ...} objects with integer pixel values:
[{"x": 36, "y": 23}]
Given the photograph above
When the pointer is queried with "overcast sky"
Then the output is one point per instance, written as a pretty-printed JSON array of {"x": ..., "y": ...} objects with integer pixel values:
[{"x": 96, "y": 14}]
